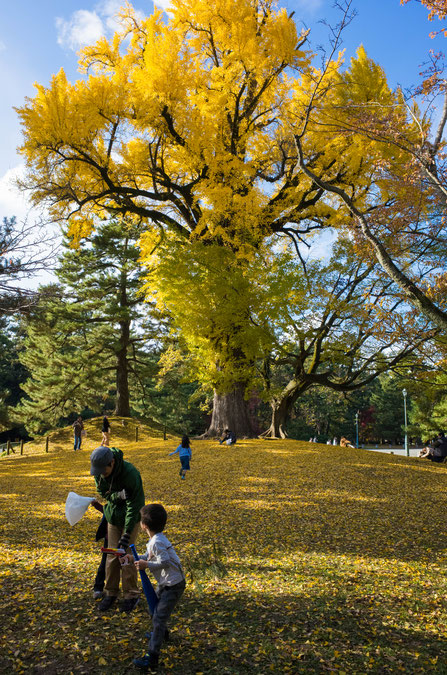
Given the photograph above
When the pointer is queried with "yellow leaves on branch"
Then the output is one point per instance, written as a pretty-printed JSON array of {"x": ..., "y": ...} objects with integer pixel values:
[
  {"x": 176, "y": 102},
  {"x": 190, "y": 124},
  {"x": 436, "y": 8}
]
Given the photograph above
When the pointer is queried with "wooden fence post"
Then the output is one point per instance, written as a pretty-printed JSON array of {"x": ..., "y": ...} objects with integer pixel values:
[
  {"x": 8, "y": 447},
  {"x": 21, "y": 446},
  {"x": 136, "y": 434},
  {"x": 47, "y": 440},
  {"x": 164, "y": 432}
]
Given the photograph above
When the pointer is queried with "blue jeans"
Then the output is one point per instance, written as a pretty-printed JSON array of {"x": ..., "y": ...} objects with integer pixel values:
[
  {"x": 77, "y": 442},
  {"x": 185, "y": 463},
  {"x": 168, "y": 597}
]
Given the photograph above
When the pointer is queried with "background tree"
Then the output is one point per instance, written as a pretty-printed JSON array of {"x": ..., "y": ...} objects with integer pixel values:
[
  {"x": 328, "y": 414},
  {"x": 12, "y": 373},
  {"x": 25, "y": 250},
  {"x": 387, "y": 403},
  {"x": 186, "y": 126},
  {"x": 398, "y": 214},
  {"x": 91, "y": 336},
  {"x": 339, "y": 327}
]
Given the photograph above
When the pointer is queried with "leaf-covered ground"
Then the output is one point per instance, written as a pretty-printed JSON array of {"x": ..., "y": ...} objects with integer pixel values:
[{"x": 302, "y": 558}]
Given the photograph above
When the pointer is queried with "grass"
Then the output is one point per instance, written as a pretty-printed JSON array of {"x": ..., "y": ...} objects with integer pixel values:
[{"x": 301, "y": 558}]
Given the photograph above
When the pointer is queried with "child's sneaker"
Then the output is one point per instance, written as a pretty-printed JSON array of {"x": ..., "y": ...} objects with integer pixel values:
[{"x": 148, "y": 662}]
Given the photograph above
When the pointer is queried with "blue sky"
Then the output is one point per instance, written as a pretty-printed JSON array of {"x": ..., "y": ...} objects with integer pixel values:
[{"x": 38, "y": 38}]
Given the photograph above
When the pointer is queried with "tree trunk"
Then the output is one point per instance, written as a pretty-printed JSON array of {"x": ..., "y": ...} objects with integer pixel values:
[
  {"x": 230, "y": 411},
  {"x": 280, "y": 414},
  {"x": 122, "y": 405}
]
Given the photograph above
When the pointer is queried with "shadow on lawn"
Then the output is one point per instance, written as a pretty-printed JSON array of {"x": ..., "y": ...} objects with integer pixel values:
[{"x": 234, "y": 633}]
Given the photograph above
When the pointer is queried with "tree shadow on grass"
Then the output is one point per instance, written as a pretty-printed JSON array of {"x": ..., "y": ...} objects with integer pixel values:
[
  {"x": 231, "y": 631},
  {"x": 319, "y": 634}
]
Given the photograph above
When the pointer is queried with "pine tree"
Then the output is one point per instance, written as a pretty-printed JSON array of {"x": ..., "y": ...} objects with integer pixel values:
[{"x": 87, "y": 340}]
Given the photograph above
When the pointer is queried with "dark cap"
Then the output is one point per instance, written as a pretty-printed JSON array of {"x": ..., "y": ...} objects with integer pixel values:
[{"x": 99, "y": 459}]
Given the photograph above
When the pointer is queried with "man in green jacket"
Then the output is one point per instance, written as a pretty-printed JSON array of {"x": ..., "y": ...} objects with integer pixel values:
[{"x": 120, "y": 484}]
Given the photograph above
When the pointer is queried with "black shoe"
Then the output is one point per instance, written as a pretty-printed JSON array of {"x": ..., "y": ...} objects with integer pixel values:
[
  {"x": 128, "y": 604},
  {"x": 148, "y": 662},
  {"x": 106, "y": 603}
]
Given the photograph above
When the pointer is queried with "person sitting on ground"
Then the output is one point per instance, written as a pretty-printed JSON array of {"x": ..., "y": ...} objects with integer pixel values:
[
  {"x": 119, "y": 482},
  {"x": 344, "y": 443},
  {"x": 436, "y": 451},
  {"x": 229, "y": 438}
]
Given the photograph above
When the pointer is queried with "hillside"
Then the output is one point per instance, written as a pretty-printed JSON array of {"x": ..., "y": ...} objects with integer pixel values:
[{"x": 301, "y": 558}]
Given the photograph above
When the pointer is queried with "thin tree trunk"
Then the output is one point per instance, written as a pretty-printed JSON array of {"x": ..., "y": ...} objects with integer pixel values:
[{"x": 122, "y": 405}]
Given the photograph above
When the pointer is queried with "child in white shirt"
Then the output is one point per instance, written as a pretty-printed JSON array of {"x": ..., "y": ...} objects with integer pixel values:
[{"x": 164, "y": 563}]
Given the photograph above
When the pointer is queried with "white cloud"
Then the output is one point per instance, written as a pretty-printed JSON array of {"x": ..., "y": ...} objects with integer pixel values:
[
  {"x": 165, "y": 5},
  {"x": 12, "y": 201},
  {"x": 83, "y": 28},
  {"x": 42, "y": 237},
  {"x": 109, "y": 9}
]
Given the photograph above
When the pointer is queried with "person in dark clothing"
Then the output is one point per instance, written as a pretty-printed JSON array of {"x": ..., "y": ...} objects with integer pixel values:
[
  {"x": 229, "y": 437},
  {"x": 101, "y": 533},
  {"x": 437, "y": 450},
  {"x": 105, "y": 431},
  {"x": 119, "y": 482},
  {"x": 78, "y": 428}
]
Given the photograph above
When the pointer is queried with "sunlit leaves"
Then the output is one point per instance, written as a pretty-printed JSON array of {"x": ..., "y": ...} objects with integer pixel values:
[{"x": 305, "y": 559}]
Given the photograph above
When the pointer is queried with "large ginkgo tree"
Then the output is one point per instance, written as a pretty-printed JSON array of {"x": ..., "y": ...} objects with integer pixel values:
[{"x": 194, "y": 125}]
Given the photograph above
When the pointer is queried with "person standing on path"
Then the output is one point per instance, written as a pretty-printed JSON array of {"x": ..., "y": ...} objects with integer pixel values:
[
  {"x": 78, "y": 428},
  {"x": 119, "y": 483},
  {"x": 105, "y": 431}
]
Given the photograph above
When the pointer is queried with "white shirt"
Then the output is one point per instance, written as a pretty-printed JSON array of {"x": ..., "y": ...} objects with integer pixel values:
[{"x": 163, "y": 561}]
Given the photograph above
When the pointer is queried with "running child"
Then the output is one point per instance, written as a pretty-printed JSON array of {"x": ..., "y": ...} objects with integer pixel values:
[{"x": 185, "y": 455}]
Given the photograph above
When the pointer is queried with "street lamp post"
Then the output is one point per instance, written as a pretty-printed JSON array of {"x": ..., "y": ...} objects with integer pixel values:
[
  {"x": 407, "y": 451},
  {"x": 357, "y": 429}
]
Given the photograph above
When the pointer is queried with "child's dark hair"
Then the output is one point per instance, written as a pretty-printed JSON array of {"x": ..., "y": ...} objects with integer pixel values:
[
  {"x": 185, "y": 441},
  {"x": 154, "y": 517}
]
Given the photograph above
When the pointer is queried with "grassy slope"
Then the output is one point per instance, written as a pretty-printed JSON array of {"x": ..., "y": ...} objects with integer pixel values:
[{"x": 304, "y": 559}]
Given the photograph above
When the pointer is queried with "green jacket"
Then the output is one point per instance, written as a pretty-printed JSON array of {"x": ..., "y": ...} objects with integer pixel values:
[{"x": 122, "y": 512}]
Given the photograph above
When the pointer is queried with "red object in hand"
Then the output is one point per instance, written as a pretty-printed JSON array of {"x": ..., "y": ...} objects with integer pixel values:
[{"x": 118, "y": 552}]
